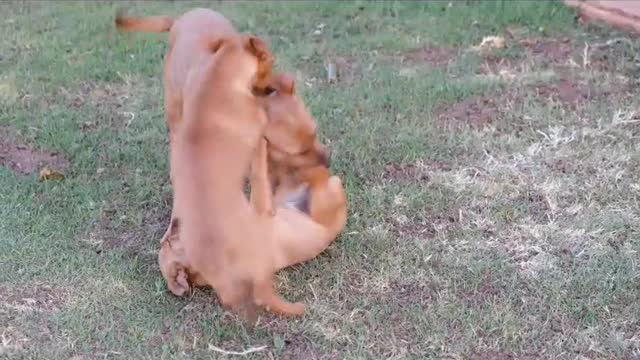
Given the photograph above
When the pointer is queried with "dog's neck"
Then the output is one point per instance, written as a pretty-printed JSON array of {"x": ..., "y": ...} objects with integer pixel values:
[
  {"x": 239, "y": 86},
  {"x": 241, "y": 78}
]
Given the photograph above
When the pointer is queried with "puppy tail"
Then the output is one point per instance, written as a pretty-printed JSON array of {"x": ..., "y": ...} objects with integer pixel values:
[{"x": 154, "y": 24}]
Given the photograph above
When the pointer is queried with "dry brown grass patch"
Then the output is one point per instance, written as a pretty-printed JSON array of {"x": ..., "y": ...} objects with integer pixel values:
[
  {"x": 417, "y": 171},
  {"x": 114, "y": 231},
  {"x": 35, "y": 298}
]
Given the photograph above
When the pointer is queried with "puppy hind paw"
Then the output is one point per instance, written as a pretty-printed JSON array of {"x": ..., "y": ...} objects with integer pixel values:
[
  {"x": 298, "y": 309},
  {"x": 179, "y": 285}
]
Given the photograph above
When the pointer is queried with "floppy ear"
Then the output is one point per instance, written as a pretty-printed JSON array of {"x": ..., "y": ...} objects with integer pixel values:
[
  {"x": 285, "y": 83},
  {"x": 215, "y": 45},
  {"x": 258, "y": 48}
]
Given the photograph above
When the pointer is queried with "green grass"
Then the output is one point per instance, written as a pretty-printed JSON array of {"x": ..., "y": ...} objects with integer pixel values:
[{"x": 515, "y": 236}]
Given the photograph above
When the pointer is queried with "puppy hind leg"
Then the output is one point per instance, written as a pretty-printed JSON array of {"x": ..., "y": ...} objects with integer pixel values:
[
  {"x": 173, "y": 108},
  {"x": 265, "y": 295}
]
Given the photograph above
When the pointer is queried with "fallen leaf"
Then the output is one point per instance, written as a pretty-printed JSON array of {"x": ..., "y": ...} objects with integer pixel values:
[
  {"x": 50, "y": 174},
  {"x": 489, "y": 42}
]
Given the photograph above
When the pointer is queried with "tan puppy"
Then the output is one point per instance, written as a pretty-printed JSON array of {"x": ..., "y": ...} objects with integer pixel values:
[
  {"x": 311, "y": 203},
  {"x": 189, "y": 36},
  {"x": 185, "y": 48},
  {"x": 293, "y": 128},
  {"x": 226, "y": 240}
]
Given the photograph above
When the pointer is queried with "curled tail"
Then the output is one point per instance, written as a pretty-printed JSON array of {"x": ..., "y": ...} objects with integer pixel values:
[{"x": 155, "y": 24}]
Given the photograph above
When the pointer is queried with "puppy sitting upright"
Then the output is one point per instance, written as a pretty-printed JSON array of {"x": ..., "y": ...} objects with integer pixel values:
[
  {"x": 226, "y": 240},
  {"x": 311, "y": 204}
]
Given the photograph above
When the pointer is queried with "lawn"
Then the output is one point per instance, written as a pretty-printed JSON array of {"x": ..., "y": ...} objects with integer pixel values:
[{"x": 493, "y": 193}]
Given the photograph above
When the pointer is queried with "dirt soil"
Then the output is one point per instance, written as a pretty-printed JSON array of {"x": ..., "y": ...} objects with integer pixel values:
[
  {"x": 479, "y": 111},
  {"x": 24, "y": 159},
  {"x": 541, "y": 52},
  {"x": 431, "y": 55}
]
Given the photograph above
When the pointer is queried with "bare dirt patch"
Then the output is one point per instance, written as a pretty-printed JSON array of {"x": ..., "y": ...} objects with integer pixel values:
[
  {"x": 567, "y": 92},
  {"x": 423, "y": 228},
  {"x": 153, "y": 225},
  {"x": 484, "y": 292},
  {"x": 475, "y": 112},
  {"x": 417, "y": 171},
  {"x": 295, "y": 344},
  {"x": 114, "y": 231},
  {"x": 298, "y": 346},
  {"x": 610, "y": 55},
  {"x": 551, "y": 50},
  {"x": 408, "y": 293},
  {"x": 480, "y": 111},
  {"x": 115, "y": 103},
  {"x": 537, "y": 207},
  {"x": 541, "y": 53},
  {"x": 349, "y": 69},
  {"x": 102, "y": 95},
  {"x": 27, "y": 301},
  {"x": 501, "y": 355},
  {"x": 30, "y": 299},
  {"x": 25, "y": 159},
  {"x": 432, "y": 56},
  {"x": 403, "y": 227}
]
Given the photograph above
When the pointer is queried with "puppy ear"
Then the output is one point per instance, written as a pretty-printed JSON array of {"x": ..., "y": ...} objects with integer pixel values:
[
  {"x": 285, "y": 83},
  {"x": 258, "y": 48},
  {"x": 215, "y": 45}
]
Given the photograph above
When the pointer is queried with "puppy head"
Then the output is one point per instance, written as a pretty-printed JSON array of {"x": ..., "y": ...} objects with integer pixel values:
[
  {"x": 291, "y": 130},
  {"x": 245, "y": 52},
  {"x": 258, "y": 48}
]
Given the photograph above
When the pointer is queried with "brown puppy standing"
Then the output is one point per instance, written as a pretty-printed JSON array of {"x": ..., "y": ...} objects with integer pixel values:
[
  {"x": 291, "y": 130},
  {"x": 226, "y": 240},
  {"x": 188, "y": 38},
  {"x": 185, "y": 48}
]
